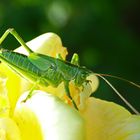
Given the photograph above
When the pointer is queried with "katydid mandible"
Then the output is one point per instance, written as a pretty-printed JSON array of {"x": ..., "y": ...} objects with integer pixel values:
[{"x": 46, "y": 70}]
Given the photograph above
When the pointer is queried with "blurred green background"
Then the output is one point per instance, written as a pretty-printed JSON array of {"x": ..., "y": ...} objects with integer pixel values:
[{"x": 105, "y": 34}]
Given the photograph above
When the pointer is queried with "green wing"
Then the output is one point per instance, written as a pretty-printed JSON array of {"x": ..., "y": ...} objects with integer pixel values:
[{"x": 41, "y": 61}]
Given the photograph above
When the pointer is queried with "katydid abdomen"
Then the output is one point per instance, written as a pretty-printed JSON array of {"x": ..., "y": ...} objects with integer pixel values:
[{"x": 19, "y": 61}]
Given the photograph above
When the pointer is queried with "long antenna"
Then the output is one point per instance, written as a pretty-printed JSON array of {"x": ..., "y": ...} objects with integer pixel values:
[
  {"x": 125, "y": 101},
  {"x": 119, "y": 78}
]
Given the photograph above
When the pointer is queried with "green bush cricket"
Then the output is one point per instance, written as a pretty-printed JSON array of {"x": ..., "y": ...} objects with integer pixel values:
[{"x": 46, "y": 70}]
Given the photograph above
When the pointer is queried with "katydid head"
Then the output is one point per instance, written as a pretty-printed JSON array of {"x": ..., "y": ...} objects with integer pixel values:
[{"x": 81, "y": 76}]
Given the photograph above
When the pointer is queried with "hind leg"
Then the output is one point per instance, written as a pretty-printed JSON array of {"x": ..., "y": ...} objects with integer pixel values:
[{"x": 18, "y": 38}]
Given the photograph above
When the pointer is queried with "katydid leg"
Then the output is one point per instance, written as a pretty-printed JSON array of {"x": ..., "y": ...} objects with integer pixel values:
[
  {"x": 31, "y": 91},
  {"x": 58, "y": 56},
  {"x": 18, "y": 38},
  {"x": 75, "y": 59},
  {"x": 66, "y": 84}
]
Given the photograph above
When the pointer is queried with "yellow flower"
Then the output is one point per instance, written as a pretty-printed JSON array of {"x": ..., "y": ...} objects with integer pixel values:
[
  {"x": 49, "y": 44},
  {"x": 46, "y": 117},
  {"x": 25, "y": 121}
]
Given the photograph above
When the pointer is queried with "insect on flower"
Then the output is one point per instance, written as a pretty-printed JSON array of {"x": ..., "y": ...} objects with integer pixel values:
[{"x": 46, "y": 70}]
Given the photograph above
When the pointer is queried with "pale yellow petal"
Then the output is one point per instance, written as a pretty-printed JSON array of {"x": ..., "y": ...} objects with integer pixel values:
[
  {"x": 48, "y": 44},
  {"x": 127, "y": 129},
  {"x": 27, "y": 123},
  {"x": 14, "y": 85},
  {"x": 47, "y": 114},
  {"x": 93, "y": 81},
  {"x": 9, "y": 130},
  {"x": 58, "y": 91},
  {"x": 109, "y": 121},
  {"x": 84, "y": 94}
]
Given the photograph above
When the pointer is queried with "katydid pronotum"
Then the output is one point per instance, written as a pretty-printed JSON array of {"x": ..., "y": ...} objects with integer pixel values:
[{"x": 46, "y": 70}]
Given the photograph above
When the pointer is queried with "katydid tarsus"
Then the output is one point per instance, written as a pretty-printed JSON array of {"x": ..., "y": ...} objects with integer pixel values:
[{"x": 46, "y": 70}]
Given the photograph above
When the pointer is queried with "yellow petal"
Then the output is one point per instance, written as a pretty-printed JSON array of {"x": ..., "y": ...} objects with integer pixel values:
[
  {"x": 27, "y": 122},
  {"x": 4, "y": 101},
  {"x": 128, "y": 129},
  {"x": 48, "y": 44},
  {"x": 58, "y": 91},
  {"x": 47, "y": 114},
  {"x": 14, "y": 85},
  {"x": 93, "y": 81},
  {"x": 109, "y": 121},
  {"x": 9, "y": 130}
]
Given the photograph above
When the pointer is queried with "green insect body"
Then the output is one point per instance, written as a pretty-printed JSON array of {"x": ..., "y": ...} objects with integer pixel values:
[
  {"x": 45, "y": 70},
  {"x": 51, "y": 70}
]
